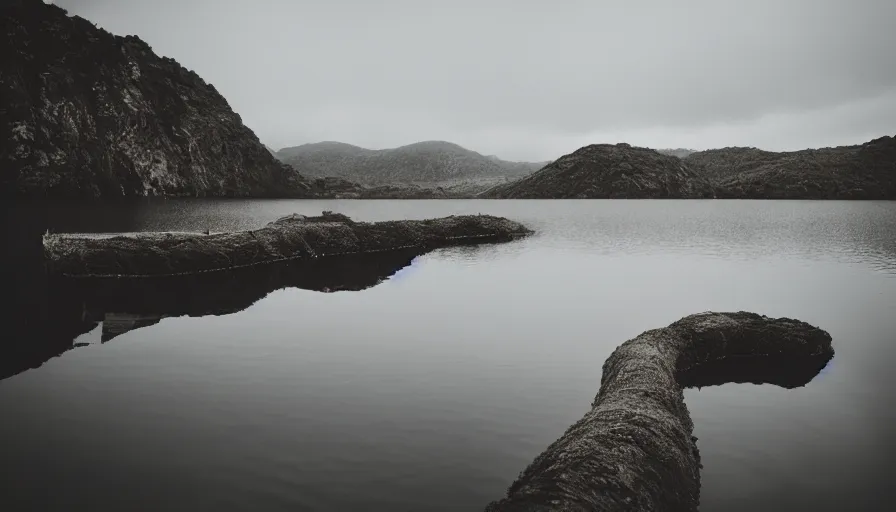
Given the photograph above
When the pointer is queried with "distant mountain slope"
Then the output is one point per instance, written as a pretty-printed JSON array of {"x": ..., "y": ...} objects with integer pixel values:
[
  {"x": 608, "y": 171},
  {"x": 431, "y": 162},
  {"x": 87, "y": 113},
  {"x": 866, "y": 171},
  {"x": 679, "y": 152}
]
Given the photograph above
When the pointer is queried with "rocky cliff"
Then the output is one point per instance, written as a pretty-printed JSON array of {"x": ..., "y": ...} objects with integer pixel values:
[
  {"x": 866, "y": 171},
  {"x": 605, "y": 171},
  {"x": 431, "y": 163},
  {"x": 88, "y": 113}
]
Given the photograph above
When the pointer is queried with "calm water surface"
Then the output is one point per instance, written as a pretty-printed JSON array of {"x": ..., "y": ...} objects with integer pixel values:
[{"x": 435, "y": 388}]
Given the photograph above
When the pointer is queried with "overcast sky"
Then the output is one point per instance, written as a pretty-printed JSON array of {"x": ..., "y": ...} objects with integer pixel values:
[{"x": 533, "y": 80}]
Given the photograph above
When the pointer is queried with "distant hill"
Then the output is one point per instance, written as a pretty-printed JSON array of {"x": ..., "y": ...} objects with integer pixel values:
[
  {"x": 679, "y": 152},
  {"x": 866, "y": 171},
  {"x": 608, "y": 171},
  {"x": 423, "y": 163}
]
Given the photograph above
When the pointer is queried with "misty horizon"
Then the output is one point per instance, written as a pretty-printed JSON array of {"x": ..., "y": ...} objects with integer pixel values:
[{"x": 529, "y": 82}]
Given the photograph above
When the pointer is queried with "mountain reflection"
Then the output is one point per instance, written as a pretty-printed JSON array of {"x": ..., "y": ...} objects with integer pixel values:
[{"x": 46, "y": 326}]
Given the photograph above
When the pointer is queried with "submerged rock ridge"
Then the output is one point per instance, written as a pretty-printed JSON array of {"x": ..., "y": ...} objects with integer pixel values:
[
  {"x": 90, "y": 114},
  {"x": 607, "y": 171},
  {"x": 634, "y": 450},
  {"x": 292, "y": 237}
]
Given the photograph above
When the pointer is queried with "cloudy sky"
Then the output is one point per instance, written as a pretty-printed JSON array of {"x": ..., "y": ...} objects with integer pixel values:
[{"x": 532, "y": 80}]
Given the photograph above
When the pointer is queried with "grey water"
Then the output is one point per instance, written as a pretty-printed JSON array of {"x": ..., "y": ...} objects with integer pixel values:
[{"x": 433, "y": 389}]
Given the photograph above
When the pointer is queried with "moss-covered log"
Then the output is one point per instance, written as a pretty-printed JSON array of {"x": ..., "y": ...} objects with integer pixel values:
[
  {"x": 289, "y": 238},
  {"x": 634, "y": 450}
]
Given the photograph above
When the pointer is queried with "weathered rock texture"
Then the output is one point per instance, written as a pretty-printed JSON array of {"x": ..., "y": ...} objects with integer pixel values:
[
  {"x": 429, "y": 164},
  {"x": 866, "y": 171},
  {"x": 89, "y": 114},
  {"x": 634, "y": 450},
  {"x": 289, "y": 238},
  {"x": 605, "y": 171}
]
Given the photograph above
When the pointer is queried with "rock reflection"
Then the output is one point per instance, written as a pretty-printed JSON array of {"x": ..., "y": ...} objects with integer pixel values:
[
  {"x": 781, "y": 371},
  {"x": 73, "y": 306}
]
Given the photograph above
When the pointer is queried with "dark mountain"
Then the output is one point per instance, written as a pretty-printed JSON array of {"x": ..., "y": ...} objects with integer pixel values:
[
  {"x": 423, "y": 163},
  {"x": 866, "y": 171},
  {"x": 88, "y": 113},
  {"x": 679, "y": 152},
  {"x": 608, "y": 171}
]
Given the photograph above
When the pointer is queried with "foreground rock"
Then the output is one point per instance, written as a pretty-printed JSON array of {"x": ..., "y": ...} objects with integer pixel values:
[
  {"x": 295, "y": 237},
  {"x": 605, "y": 171},
  {"x": 866, "y": 171},
  {"x": 634, "y": 450}
]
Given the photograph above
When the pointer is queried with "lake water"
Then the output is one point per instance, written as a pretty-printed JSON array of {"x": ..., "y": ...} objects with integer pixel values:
[{"x": 433, "y": 389}]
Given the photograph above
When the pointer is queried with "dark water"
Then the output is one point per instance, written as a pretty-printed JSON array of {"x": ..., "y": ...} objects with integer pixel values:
[{"x": 437, "y": 381}]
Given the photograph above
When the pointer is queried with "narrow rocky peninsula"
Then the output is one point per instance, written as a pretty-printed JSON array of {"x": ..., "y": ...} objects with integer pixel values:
[
  {"x": 634, "y": 450},
  {"x": 290, "y": 238}
]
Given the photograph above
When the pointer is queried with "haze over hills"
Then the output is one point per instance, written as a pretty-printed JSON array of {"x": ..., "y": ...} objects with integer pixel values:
[
  {"x": 88, "y": 113},
  {"x": 423, "y": 163},
  {"x": 606, "y": 171},
  {"x": 679, "y": 152}
]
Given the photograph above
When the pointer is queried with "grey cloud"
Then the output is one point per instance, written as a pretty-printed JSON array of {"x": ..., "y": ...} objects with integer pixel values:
[{"x": 392, "y": 72}]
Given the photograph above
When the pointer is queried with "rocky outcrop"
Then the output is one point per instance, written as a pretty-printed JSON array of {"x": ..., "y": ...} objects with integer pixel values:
[
  {"x": 866, "y": 171},
  {"x": 634, "y": 450},
  {"x": 89, "y": 114},
  {"x": 294, "y": 237},
  {"x": 605, "y": 171},
  {"x": 429, "y": 164}
]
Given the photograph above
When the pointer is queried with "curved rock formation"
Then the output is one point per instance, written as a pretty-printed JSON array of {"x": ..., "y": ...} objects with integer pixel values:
[
  {"x": 290, "y": 238},
  {"x": 634, "y": 450}
]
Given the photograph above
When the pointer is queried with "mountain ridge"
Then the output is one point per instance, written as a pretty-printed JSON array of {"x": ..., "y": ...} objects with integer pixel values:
[
  {"x": 859, "y": 171},
  {"x": 608, "y": 171},
  {"x": 864, "y": 171},
  {"x": 429, "y": 162}
]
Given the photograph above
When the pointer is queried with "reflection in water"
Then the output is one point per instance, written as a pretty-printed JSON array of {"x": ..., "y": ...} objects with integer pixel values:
[
  {"x": 413, "y": 409},
  {"x": 74, "y": 306},
  {"x": 785, "y": 372}
]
